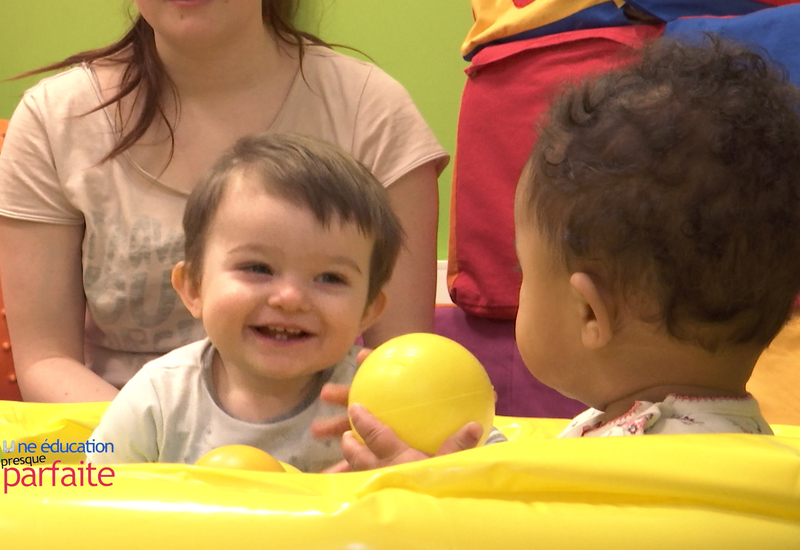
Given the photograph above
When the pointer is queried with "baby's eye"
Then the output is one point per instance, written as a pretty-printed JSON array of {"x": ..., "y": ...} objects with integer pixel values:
[
  {"x": 332, "y": 279},
  {"x": 260, "y": 269}
]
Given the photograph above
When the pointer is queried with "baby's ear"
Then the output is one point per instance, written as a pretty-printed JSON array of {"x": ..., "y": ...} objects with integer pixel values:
[
  {"x": 596, "y": 311},
  {"x": 184, "y": 285},
  {"x": 373, "y": 311}
]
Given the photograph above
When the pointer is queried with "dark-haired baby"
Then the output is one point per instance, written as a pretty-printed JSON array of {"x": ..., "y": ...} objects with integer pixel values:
[{"x": 657, "y": 225}]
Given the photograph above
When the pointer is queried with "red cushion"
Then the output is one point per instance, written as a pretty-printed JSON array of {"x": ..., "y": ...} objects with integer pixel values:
[{"x": 509, "y": 87}]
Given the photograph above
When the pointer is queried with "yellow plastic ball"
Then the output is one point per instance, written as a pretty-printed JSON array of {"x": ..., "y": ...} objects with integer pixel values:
[
  {"x": 425, "y": 387},
  {"x": 240, "y": 457}
]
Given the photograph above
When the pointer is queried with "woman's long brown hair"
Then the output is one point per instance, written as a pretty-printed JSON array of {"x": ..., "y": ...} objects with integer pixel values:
[{"x": 146, "y": 77}]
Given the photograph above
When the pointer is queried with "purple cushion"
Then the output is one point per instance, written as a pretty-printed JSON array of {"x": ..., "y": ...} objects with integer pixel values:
[{"x": 492, "y": 342}]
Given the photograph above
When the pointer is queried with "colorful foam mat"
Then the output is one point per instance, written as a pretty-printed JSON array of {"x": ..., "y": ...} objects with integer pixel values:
[{"x": 498, "y": 21}]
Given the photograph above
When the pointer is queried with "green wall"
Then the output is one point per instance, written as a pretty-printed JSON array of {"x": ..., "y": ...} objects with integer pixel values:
[
  {"x": 416, "y": 41},
  {"x": 38, "y": 32}
]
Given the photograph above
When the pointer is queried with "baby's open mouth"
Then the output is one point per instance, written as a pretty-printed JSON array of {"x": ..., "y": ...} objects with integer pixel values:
[{"x": 282, "y": 333}]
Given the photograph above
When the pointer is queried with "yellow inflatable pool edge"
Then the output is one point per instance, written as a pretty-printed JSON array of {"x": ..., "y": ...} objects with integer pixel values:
[{"x": 697, "y": 491}]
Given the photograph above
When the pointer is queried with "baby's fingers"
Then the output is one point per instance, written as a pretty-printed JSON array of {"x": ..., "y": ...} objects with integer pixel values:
[
  {"x": 465, "y": 438},
  {"x": 357, "y": 455},
  {"x": 377, "y": 436},
  {"x": 335, "y": 394},
  {"x": 329, "y": 427}
]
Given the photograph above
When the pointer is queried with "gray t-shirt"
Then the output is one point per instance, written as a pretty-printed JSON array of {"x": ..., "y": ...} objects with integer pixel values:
[{"x": 168, "y": 413}]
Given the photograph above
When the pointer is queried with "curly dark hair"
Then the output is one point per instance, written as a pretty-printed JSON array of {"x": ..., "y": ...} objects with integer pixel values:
[{"x": 676, "y": 182}]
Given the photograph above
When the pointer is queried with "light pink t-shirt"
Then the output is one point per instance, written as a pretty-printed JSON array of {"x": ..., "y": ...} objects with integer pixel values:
[{"x": 49, "y": 173}]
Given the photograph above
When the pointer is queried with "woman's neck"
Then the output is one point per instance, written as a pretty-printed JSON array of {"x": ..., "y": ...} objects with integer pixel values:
[{"x": 209, "y": 70}]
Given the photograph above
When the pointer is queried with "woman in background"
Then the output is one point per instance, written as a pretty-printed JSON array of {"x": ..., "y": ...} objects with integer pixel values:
[{"x": 99, "y": 159}]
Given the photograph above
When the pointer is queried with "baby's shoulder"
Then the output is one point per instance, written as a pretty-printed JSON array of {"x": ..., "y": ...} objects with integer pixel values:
[{"x": 185, "y": 361}]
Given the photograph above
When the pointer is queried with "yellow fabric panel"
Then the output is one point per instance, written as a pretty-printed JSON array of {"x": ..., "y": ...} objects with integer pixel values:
[
  {"x": 695, "y": 491},
  {"x": 496, "y": 19}
]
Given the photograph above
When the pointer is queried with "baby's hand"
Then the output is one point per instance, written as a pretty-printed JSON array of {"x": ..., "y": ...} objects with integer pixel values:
[
  {"x": 335, "y": 394},
  {"x": 382, "y": 447},
  {"x": 335, "y": 426}
]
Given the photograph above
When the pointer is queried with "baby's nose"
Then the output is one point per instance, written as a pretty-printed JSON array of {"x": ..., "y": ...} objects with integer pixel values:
[{"x": 289, "y": 295}]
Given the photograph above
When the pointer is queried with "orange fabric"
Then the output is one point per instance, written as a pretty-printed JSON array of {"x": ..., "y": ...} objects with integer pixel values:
[
  {"x": 9, "y": 390},
  {"x": 8, "y": 379},
  {"x": 3, "y": 126},
  {"x": 776, "y": 377}
]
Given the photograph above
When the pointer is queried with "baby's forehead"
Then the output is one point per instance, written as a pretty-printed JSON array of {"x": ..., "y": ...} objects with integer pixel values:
[
  {"x": 243, "y": 184},
  {"x": 332, "y": 210}
]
